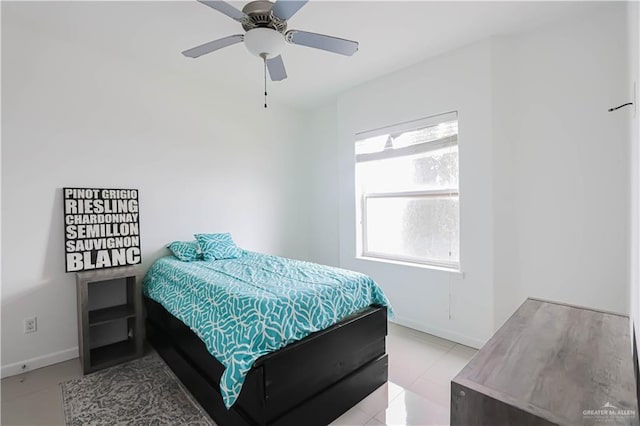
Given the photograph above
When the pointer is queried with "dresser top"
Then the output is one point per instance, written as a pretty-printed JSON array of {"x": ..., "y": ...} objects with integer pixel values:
[{"x": 559, "y": 362}]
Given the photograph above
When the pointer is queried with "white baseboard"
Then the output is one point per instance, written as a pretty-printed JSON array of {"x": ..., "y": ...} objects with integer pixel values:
[
  {"x": 38, "y": 362},
  {"x": 445, "y": 334}
]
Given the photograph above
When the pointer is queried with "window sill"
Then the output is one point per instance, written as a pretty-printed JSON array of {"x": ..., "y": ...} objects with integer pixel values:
[{"x": 413, "y": 265}]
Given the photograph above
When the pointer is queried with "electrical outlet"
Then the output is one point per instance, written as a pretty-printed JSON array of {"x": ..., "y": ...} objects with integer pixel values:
[{"x": 30, "y": 325}]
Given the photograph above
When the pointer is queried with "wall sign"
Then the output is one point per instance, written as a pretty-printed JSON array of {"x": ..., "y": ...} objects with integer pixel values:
[{"x": 101, "y": 228}]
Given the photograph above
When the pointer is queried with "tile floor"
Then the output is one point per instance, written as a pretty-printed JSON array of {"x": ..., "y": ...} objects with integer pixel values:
[{"x": 421, "y": 367}]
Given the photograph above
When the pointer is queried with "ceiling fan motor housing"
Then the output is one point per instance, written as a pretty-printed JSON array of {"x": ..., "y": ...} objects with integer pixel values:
[{"x": 260, "y": 16}]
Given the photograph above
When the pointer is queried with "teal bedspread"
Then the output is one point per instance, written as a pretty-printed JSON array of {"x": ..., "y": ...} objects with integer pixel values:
[{"x": 247, "y": 307}]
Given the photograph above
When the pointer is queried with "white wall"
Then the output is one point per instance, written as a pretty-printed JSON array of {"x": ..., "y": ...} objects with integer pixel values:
[
  {"x": 633, "y": 12},
  {"x": 423, "y": 298},
  {"x": 544, "y": 178},
  {"x": 203, "y": 162},
  {"x": 505, "y": 115},
  {"x": 564, "y": 234},
  {"x": 322, "y": 137}
]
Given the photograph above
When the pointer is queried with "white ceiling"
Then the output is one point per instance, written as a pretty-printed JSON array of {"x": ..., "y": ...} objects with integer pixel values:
[{"x": 392, "y": 35}]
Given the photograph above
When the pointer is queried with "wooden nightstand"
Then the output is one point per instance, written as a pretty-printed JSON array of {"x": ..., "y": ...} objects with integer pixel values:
[{"x": 110, "y": 319}]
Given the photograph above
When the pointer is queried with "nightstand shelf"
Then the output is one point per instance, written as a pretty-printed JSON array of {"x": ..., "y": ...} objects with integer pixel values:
[
  {"x": 115, "y": 353},
  {"x": 112, "y": 313},
  {"x": 110, "y": 322}
]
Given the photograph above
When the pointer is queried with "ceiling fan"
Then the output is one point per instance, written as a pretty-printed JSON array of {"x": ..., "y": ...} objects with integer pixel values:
[{"x": 266, "y": 34}]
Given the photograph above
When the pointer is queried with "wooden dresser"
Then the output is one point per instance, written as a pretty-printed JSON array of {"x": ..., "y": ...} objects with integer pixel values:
[{"x": 550, "y": 364}]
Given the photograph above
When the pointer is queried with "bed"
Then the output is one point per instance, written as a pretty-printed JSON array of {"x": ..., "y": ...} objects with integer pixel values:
[{"x": 311, "y": 337}]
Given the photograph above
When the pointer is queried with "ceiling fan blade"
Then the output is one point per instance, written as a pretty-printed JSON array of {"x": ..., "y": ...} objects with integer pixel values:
[
  {"x": 285, "y": 9},
  {"x": 212, "y": 46},
  {"x": 276, "y": 68},
  {"x": 324, "y": 42},
  {"x": 227, "y": 9}
]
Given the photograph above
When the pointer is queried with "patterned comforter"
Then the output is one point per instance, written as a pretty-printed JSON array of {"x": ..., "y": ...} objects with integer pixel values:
[{"x": 247, "y": 307}]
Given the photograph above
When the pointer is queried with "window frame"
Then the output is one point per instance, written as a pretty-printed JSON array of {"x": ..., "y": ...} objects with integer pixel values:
[{"x": 448, "y": 141}]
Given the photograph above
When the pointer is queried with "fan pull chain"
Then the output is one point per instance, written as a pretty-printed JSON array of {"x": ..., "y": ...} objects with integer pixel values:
[{"x": 264, "y": 57}]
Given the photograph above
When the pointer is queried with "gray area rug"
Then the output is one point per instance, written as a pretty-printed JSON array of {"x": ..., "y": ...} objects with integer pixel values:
[{"x": 140, "y": 392}]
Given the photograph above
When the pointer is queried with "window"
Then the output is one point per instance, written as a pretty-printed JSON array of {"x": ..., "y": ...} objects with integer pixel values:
[{"x": 407, "y": 192}]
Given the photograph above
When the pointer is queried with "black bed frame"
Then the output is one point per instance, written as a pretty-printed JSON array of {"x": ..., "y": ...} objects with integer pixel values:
[{"x": 310, "y": 382}]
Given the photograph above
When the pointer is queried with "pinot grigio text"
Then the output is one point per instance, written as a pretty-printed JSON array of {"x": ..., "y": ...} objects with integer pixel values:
[{"x": 102, "y": 228}]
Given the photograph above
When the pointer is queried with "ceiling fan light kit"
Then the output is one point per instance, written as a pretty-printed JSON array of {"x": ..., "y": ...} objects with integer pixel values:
[
  {"x": 264, "y": 41},
  {"x": 265, "y": 24}
]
